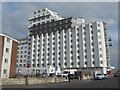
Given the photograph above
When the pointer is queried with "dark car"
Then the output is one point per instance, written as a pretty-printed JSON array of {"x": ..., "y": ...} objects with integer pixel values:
[
  {"x": 116, "y": 75},
  {"x": 51, "y": 74}
]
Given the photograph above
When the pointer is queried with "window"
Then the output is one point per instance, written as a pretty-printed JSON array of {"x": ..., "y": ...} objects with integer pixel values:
[
  {"x": 43, "y": 9},
  {"x": 34, "y": 12},
  {"x": 39, "y": 11},
  {"x": 91, "y": 32},
  {"x": 98, "y": 30},
  {"x": 85, "y": 56},
  {"x": 92, "y": 44},
  {"x": 100, "y": 55},
  {"x": 101, "y": 62},
  {"x": 8, "y": 39},
  {"x": 33, "y": 65},
  {"x": 93, "y": 62},
  {"x": 85, "y": 62},
  {"x": 38, "y": 65},
  {"x": 21, "y": 52},
  {"x": 98, "y": 25},
  {"x": 20, "y": 60},
  {"x": 24, "y": 65},
  {"x": 100, "y": 43},
  {"x": 65, "y": 63},
  {"x": 4, "y": 71},
  {"x": 65, "y": 58},
  {"x": 20, "y": 65},
  {"x": 92, "y": 56},
  {"x": 91, "y": 26},
  {"x": 78, "y": 63},
  {"x": 84, "y": 33},
  {"x": 78, "y": 57},
  {"x": 71, "y": 63},
  {"x": 6, "y": 60},
  {"x": 7, "y": 50},
  {"x": 92, "y": 37}
]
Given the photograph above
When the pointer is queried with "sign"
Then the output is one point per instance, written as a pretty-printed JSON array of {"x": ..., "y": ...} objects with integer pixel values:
[{"x": 28, "y": 65}]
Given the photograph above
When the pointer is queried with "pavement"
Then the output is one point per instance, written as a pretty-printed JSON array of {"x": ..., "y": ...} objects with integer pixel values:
[{"x": 107, "y": 83}]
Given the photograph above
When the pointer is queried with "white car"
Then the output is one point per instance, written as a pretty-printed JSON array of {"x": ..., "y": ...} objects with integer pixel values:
[
  {"x": 99, "y": 76},
  {"x": 106, "y": 76}
]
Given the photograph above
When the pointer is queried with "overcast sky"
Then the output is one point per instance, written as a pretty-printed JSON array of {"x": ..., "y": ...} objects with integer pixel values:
[{"x": 15, "y": 17}]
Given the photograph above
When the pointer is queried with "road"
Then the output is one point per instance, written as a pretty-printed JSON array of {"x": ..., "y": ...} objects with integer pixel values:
[{"x": 107, "y": 83}]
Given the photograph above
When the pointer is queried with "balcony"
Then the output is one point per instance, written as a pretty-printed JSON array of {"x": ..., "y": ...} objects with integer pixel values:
[{"x": 110, "y": 44}]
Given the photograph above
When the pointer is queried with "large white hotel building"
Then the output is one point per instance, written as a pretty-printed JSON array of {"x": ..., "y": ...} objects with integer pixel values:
[{"x": 67, "y": 42}]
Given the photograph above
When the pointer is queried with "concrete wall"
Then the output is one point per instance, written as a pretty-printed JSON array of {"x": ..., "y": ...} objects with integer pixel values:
[{"x": 20, "y": 81}]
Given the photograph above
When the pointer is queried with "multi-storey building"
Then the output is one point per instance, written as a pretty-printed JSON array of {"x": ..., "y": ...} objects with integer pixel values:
[
  {"x": 66, "y": 42},
  {"x": 22, "y": 55},
  {"x": 8, "y": 55}
]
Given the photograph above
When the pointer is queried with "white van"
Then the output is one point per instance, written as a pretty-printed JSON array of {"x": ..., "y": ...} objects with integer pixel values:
[{"x": 65, "y": 72}]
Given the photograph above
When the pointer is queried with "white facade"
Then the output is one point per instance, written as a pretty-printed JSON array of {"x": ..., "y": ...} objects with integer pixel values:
[
  {"x": 22, "y": 55},
  {"x": 79, "y": 45}
]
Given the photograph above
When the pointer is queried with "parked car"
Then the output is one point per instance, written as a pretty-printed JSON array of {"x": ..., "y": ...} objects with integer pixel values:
[
  {"x": 51, "y": 74},
  {"x": 44, "y": 75},
  {"x": 106, "y": 76},
  {"x": 99, "y": 76},
  {"x": 116, "y": 75}
]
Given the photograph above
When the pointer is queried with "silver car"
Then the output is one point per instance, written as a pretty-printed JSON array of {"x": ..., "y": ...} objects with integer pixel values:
[{"x": 106, "y": 76}]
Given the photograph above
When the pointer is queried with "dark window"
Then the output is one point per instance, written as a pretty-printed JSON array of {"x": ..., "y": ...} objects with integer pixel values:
[
  {"x": 98, "y": 30},
  {"x": 85, "y": 62},
  {"x": 92, "y": 44},
  {"x": 91, "y": 26},
  {"x": 84, "y": 33},
  {"x": 85, "y": 56},
  {"x": 71, "y": 63},
  {"x": 34, "y": 12},
  {"x": 65, "y": 63},
  {"x": 8, "y": 39},
  {"x": 101, "y": 62},
  {"x": 100, "y": 55},
  {"x": 39, "y": 11},
  {"x": 6, "y": 60},
  {"x": 91, "y": 32},
  {"x": 78, "y": 63},
  {"x": 78, "y": 57}
]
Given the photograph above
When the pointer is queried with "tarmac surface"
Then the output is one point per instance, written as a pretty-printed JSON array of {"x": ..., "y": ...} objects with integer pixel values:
[{"x": 107, "y": 83}]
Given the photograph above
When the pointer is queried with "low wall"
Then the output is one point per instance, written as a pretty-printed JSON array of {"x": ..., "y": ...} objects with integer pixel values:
[{"x": 21, "y": 81}]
